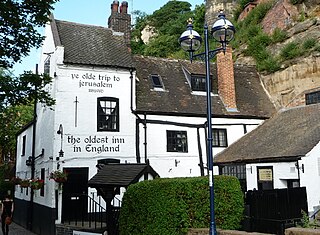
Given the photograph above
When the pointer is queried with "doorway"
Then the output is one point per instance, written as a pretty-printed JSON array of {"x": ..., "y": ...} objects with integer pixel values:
[
  {"x": 265, "y": 177},
  {"x": 75, "y": 194}
]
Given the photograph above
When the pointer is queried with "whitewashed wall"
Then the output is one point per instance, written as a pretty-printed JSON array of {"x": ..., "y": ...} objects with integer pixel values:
[
  {"x": 281, "y": 172},
  {"x": 177, "y": 164},
  {"x": 22, "y": 170},
  {"x": 311, "y": 177}
]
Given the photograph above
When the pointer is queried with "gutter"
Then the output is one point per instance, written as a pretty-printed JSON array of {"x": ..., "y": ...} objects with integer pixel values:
[{"x": 262, "y": 160}]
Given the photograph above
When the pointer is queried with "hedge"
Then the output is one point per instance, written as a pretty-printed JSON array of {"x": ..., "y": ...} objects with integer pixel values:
[{"x": 172, "y": 206}]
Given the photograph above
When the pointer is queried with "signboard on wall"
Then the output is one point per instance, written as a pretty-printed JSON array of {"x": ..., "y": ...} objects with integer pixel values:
[{"x": 265, "y": 174}]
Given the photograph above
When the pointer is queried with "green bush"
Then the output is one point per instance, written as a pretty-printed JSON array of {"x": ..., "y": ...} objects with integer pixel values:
[
  {"x": 278, "y": 35},
  {"x": 172, "y": 206},
  {"x": 290, "y": 51},
  {"x": 270, "y": 65},
  {"x": 309, "y": 43}
]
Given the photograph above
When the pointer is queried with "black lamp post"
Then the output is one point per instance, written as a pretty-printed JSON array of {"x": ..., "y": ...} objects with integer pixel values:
[{"x": 190, "y": 41}]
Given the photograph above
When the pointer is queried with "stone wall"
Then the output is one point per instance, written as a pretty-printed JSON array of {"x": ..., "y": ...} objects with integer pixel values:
[
  {"x": 289, "y": 231},
  {"x": 200, "y": 231},
  {"x": 302, "y": 231}
]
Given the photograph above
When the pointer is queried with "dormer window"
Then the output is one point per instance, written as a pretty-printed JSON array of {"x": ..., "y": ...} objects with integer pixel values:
[
  {"x": 313, "y": 98},
  {"x": 156, "y": 81},
  {"x": 198, "y": 83}
]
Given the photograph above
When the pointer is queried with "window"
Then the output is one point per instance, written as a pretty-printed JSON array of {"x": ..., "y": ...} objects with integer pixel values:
[
  {"x": 177, "y": 141},
  {"x": 313, "y": 98},
  {"x": 46, "y": 69},
  {"x": 219, "y": 138},
  {"x": 23, "y": 150},
  {"x": 108, "y": 114},
  {"x": 198, "y": 83},
  {"x": 238, "y": 171},
  {"x": 156, "y": 81}
]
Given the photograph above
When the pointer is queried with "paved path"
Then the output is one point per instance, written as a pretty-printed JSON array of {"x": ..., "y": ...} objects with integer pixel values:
[{"x": 16, "y": 229}]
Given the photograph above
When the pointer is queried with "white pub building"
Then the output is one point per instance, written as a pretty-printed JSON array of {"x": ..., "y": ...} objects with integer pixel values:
[{"x": 119, "y": 119}]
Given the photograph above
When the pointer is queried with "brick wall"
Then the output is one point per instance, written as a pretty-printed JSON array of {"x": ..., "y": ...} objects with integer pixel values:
[
  {"x": 225, "y": 72},
  {"x": 120, "y": 20}
]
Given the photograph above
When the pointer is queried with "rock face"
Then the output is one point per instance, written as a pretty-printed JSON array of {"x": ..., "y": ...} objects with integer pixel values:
[
  {"x": 300, "y": 76},
  {"x": 214, "y": 6},
  {"x": 288, "y": 87}
]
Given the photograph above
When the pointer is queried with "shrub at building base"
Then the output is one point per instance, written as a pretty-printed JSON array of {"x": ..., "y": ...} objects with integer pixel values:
[{"x": 172, "y": 206}]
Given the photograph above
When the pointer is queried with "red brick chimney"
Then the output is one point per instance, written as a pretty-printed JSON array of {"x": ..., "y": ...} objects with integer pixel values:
[
  {"x": 225, "y": 72},
  {"x": 120, "y": 21}
]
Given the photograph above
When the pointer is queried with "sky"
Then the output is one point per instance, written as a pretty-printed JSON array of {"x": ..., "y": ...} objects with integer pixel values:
[{"x": 93, "y": 12}]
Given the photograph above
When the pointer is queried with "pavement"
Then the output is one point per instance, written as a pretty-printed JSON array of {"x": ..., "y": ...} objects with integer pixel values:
[{"x": 15, "y": 229}]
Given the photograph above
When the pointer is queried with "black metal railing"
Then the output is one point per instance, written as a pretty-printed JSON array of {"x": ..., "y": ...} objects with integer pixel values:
[
  {"x": 85, "y": 213},
  {"x": 91, "y": 214}
]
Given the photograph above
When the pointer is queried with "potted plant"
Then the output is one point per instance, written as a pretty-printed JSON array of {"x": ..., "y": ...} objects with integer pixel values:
[
  {"x": 59, "y": 176},
  {"x": 24, "y": 183},
  {"x": 36, "y": 183},
  {"x": 16, "y": 180}
]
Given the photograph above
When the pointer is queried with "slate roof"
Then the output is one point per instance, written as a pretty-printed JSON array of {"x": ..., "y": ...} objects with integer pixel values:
[
  {"x": 289, "y": 135},
  {"x": 120, "y": 175},
  {"x": 177, "y": 98},
  {"x": 91, "y": 45}
]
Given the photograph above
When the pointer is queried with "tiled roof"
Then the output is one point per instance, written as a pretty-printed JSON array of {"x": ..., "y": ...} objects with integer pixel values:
[
  {"x": 120, "y": 175},
  {"x": 177, "y": 96},
  {"x": 290, "y": 134},
  {"x": 91, "y": 45}
]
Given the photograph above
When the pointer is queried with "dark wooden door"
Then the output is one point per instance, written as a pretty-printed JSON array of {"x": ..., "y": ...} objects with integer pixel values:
[{"x": 75, "y": 194}]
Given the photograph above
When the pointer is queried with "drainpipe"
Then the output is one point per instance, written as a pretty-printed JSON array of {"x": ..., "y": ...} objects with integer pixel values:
[
  {"x": 200, "y": 153},
  {"x": 298, "y": 168},
  {"x": 145, "y": 138},
  {"x": 139, "y": 121}
]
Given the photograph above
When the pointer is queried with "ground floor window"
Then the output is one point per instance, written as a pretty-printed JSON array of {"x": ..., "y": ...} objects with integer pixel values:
[{"x": 238, "y": 171}]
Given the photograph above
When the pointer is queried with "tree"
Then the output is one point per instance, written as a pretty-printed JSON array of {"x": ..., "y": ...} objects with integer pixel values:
[
  {"x": 19, "y": 20},
  {"x": 23, "y": 89},
  {"x": 17, "y": 96},
  {"x": 168, "y": 23}
]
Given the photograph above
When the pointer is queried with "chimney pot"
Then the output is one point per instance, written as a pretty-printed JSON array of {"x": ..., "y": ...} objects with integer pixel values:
[
  {"x": 124, "y": 7},
  {"x": 115, "y": 6}
]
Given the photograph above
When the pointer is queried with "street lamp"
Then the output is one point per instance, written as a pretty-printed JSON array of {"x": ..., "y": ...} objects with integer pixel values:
[{"x": 190, "y": 41}]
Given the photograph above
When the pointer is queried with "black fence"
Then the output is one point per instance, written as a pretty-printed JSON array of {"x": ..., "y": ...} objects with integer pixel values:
[{"x": 272, "y": 211}]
